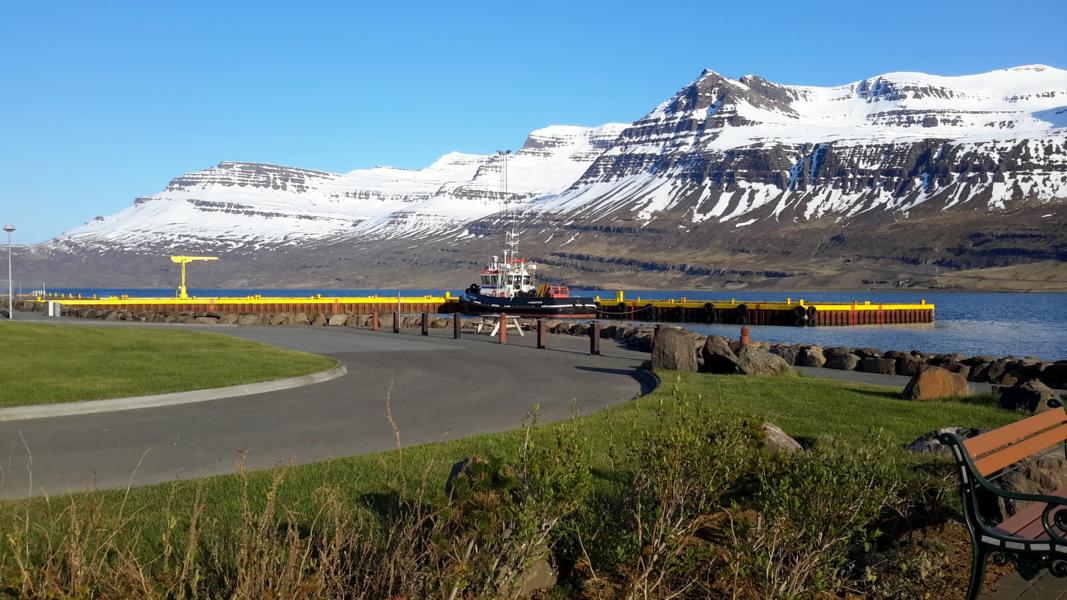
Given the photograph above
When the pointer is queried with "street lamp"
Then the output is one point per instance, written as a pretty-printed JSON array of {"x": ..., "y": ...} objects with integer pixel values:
[{"x": 9, "y": 228}]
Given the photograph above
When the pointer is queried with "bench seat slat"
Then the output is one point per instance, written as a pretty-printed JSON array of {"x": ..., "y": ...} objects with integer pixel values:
[
  {"x": 996, "y": 461},
  {"x": 1002, "y": 436},
  {"x": 1026, "y": 523}
]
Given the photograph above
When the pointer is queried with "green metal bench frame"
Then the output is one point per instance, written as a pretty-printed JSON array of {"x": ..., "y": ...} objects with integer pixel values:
[{"x": 1030, "y": 553}]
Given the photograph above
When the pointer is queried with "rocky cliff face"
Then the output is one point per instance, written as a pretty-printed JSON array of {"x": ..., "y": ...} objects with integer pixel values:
[
  {"x": 736, "y": 182},
  {"x": 724, "y": 150}
]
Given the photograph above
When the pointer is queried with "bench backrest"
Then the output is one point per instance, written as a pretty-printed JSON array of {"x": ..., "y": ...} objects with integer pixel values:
[{"x": 1005, "y": 446}]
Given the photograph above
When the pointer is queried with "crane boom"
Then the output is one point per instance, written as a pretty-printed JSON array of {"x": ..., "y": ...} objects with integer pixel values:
[{"x": 184, "y": 260}]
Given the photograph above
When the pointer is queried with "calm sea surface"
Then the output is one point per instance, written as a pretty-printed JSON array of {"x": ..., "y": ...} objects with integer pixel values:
[{"x": 973, "y": 323}]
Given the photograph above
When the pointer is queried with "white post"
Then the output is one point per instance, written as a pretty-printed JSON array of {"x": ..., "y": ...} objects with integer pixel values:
[{"x": 10, "y": 282}]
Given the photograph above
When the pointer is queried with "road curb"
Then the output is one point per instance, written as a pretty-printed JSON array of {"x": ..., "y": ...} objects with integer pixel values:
[{"x": 23, "y": 413}]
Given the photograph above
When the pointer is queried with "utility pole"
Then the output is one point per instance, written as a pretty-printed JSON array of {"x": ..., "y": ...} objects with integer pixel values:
[{"x": 9, "y": 228}]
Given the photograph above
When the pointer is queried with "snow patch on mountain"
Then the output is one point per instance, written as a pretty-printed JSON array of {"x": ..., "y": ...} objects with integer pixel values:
[{"x": 238, "y": 204}]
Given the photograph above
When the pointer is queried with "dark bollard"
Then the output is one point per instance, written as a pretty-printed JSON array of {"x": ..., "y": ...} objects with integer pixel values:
[
  {"x": 396, "y": 321},
  {"x": 542, "y": 334},
  {"x": 457, "y": 326},
  {"x": 375, "y": 322},
  {"x": 594, "y": 338},
  {"x": 425, "y": 323},
  {"x": 502, "y": 329}
]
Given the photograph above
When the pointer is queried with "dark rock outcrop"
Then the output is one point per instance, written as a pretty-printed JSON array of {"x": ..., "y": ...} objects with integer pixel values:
[
  {"x": 718, "y": 357},
  {"x": 672, "y": 350}
]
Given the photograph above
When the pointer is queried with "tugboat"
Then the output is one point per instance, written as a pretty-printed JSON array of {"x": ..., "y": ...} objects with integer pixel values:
[{"x": 509, "y": 285}]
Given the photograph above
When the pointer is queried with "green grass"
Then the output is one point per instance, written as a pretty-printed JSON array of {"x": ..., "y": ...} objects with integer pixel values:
[
  {"x": 46, "y": 363},
  {"x": 803, "y": 407}
]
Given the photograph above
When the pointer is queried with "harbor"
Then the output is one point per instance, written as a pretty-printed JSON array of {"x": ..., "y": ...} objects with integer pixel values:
[{"x": 787, "y": 312}]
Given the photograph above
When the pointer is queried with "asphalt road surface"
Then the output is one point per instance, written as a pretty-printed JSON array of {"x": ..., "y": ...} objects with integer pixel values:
[{"x": 442, "y": 389}]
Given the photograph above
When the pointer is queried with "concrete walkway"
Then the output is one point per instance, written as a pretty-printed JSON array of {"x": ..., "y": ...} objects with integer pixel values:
[
  {"x": 441, "y": 389},
  {"x": 1013, "y": 587}
]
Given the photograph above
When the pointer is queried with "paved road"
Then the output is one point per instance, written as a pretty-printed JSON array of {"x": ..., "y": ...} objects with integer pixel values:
[{"x": 442, "y": 389}]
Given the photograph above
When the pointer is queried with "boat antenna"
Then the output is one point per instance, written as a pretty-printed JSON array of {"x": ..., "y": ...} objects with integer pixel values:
[{"x": 510, "y": 237}]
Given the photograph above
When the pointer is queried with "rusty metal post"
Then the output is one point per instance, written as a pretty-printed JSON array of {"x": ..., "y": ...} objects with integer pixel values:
[
  {"x": 425, "y": 323},
  {"x": 396, "y": 321},
  {"x": 594, "y": 338},
  {"x": 457, "y": 326},
  {"x": 375, "y": 322},
  {"x": 542, "y": 334},
  {"x": 502, "y": 328},
  {"x": 744, "y": 336}
]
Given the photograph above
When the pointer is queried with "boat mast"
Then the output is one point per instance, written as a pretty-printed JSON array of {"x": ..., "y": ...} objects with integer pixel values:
[{"x": 511, "y": 240}]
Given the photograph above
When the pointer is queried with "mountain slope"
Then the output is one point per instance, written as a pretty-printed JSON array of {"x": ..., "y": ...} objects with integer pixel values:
[
  {"x": 724, "y": 149},
  {"x": 891, "y": 180},
  {"x": 248, "y": 206}
]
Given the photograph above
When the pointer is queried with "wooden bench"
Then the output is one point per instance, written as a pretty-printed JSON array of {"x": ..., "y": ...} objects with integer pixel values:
[{"x": 1035, "y": 536}]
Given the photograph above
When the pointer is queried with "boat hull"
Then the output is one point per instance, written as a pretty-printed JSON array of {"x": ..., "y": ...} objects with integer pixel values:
[{"x": 574, "y": 308}]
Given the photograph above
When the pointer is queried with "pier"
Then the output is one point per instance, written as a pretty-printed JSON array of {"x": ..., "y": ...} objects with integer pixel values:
[{"x": 788, "y": 312}]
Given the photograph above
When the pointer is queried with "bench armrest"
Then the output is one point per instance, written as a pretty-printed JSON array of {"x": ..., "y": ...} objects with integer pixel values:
[{"x": 1055, "y": 525}]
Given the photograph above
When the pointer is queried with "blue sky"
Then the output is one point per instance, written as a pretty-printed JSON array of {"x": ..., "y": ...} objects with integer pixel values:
[{"x": 101, "y": 102}]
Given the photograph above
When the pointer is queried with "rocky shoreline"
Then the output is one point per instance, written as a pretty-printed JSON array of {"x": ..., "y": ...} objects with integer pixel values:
[
  {"x": 1020, "y": 382},
  {"x": 1026, "y": 377}
]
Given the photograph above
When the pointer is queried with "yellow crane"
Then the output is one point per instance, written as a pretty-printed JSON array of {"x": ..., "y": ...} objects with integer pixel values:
[{"x": 184, "y": 260}]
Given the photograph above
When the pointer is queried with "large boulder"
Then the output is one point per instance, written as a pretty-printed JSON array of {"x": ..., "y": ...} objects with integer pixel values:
[
  {"x": 993, "y": 372},
  {"x": 787, "y": 352},
  {"x": 958, "y": 368},
  {"x": 981, "y": 359},
  {"x": 810, "y": 356},
  {"x": 929, "y": 442},
  {"x": 881, "y": 366},
  {"x": 908, "y": 364},
  {"x": 228, "y": 319},
  {"x": 753, "y": 360},
  {"x": 933, "y": 383},
  {"x": 1033, "y": 396},
  {"x": 281, "y": 318},
  {"x": 776, "y": 441},
  {"x": 1055, "y": 375},
  {"x": 642, "y": 339},
  {"x": 337, "y": 320},
  {"x": 1042, "y": 474},
  {"x": 301, "y": 318},
  {"x": 318, "y": 320},
  {"x": 868, "y": 353},
  {"x": 673, "y": 351},
  {"x": 944, "y": 359},
  {"x": 248, "y": 319},
  {"x": 718, "y": 357},
  {"x": 833, "y": 351},
  {"x": 843, "y": 362},
  {"x": 205, "y": 320}
]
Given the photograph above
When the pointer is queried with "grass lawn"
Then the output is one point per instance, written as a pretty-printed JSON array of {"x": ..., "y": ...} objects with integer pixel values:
[
  {"x": 239, "y": 525},
  {"x": 47, "y": 363},
  {"x": 804, "y": 407}
]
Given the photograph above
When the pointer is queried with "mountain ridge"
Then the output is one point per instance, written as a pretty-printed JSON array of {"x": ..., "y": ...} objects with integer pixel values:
[{"x": 712, "y": 173}]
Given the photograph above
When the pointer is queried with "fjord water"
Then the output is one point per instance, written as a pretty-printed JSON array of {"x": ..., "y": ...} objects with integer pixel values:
[{"x": 999, "y": 324}]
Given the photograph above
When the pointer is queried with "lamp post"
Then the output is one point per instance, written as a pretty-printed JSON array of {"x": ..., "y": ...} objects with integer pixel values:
[{"x": 9, "y": 228}]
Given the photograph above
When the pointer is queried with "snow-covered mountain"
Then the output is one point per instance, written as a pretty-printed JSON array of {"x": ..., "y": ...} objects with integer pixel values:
[
  {"x": 729, "y": 180},
  {"x": 238, "y": 205},
  {"x": 749, "y": 149}
]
